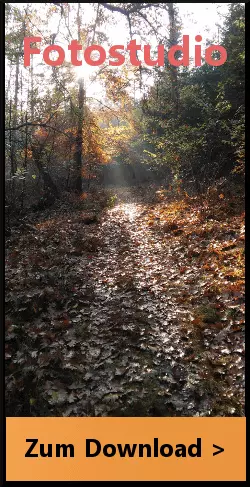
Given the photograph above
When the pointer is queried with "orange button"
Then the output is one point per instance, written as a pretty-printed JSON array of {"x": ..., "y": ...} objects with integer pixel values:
[{"x": 126, "y": 449}]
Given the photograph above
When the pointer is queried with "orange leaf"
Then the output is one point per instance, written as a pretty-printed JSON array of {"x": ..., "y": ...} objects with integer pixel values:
[{"x": 196, "y": 321}]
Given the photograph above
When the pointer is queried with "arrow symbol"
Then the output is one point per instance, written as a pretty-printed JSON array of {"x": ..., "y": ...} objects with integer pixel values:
[{"x": 220, "y": 450}]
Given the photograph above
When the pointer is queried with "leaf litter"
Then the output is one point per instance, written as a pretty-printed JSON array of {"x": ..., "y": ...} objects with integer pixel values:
[{"x": 140, "y": 313}]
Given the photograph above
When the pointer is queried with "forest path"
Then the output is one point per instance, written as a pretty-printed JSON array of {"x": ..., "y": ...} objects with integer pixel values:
[
  {"x": 112, "y": 332},
  {"x": 134, "y": 316}
]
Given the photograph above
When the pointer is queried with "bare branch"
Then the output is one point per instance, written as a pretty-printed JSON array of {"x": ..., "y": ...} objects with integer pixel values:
[
  {"x": 130, "y": 30},
  {"x": 33, "y": 124},
  {"x": 96, "y": 21},
  {"x": 148, "y": 22},
  {"x": 123, "y": 11},
  {"x": 103, "y": 104}
]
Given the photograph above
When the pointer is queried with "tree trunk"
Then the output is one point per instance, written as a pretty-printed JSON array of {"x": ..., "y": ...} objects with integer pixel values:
[
  {"x": 173, "y": 40},
  {"x": 32, "y": 101},
  {"x": 79, "y": 139},
  {"x": 51, "y": 190},
  {"x": 79, "y": 136},
  {"x": 14, "y": 117}
]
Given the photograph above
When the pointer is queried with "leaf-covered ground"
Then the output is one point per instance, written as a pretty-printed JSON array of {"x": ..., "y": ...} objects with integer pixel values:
[{"x": 140, "y": 313}]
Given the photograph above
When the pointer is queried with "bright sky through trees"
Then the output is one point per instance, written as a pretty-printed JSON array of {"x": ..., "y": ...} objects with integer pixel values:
[{"x": 200, "y": 18}]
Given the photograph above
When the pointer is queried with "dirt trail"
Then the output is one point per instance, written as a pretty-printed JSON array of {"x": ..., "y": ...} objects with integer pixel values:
[{"x": 128, "y": 346}]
